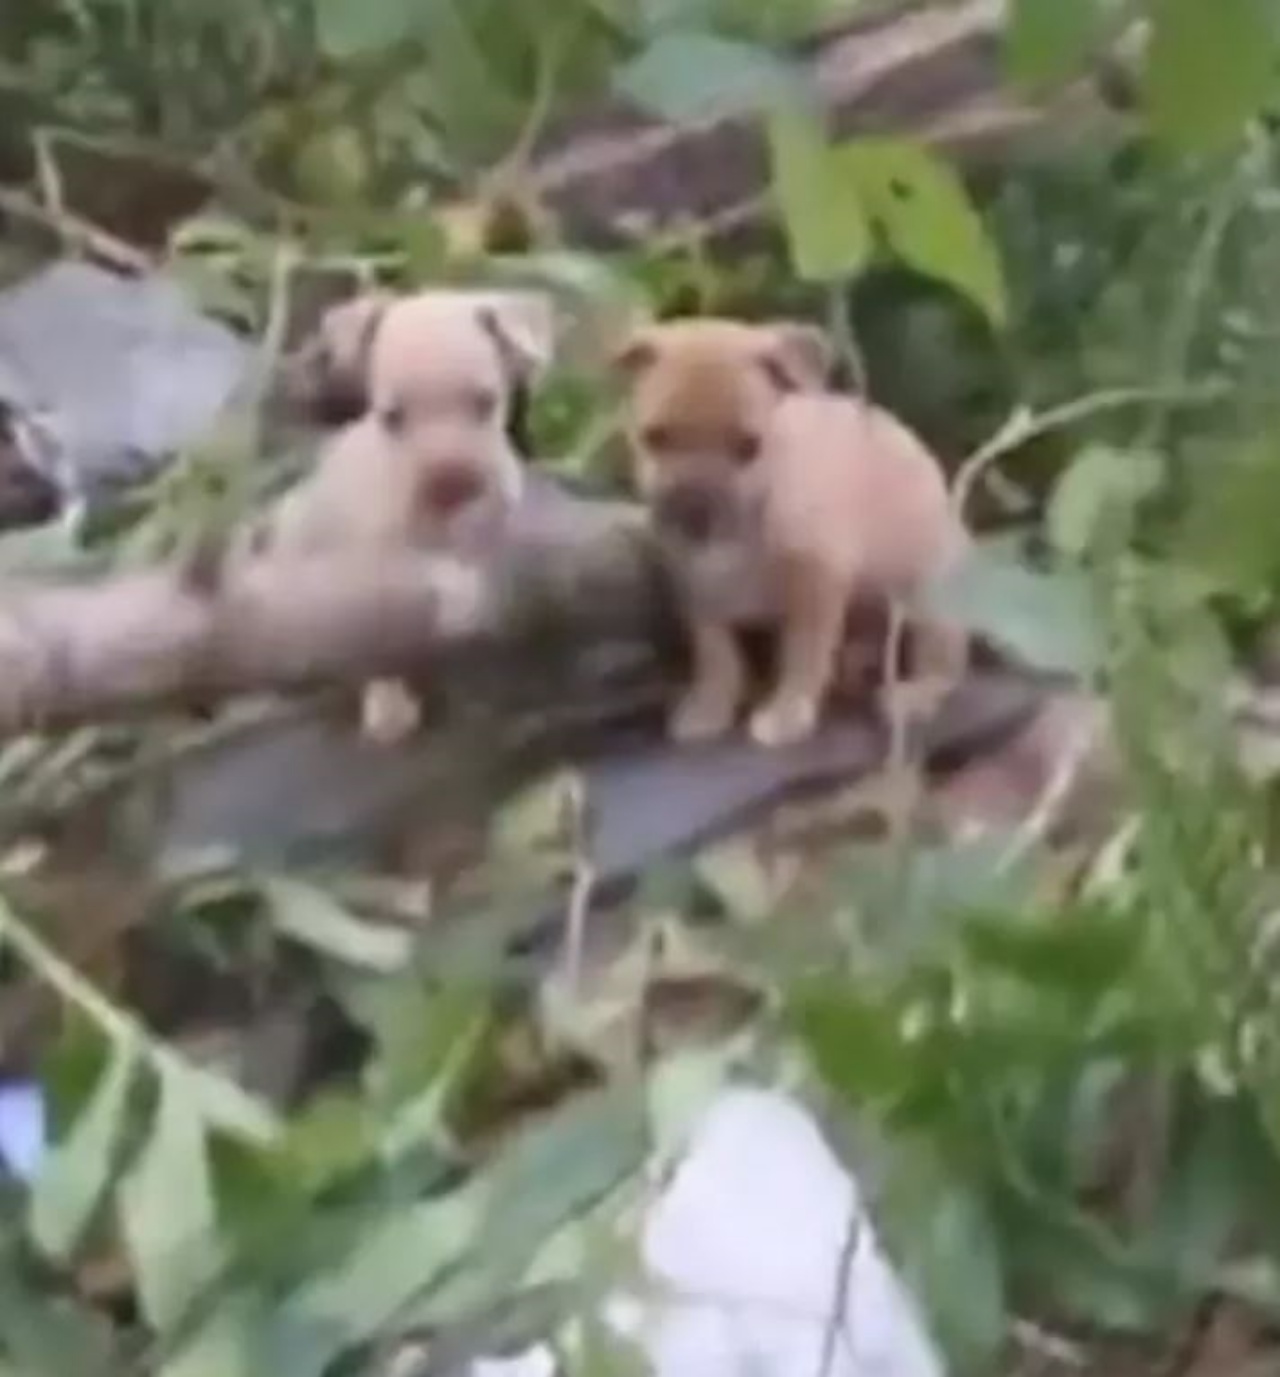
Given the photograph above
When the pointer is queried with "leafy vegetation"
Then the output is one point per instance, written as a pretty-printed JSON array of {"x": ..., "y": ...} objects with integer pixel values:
[{"x": 1062, "y": 1061}]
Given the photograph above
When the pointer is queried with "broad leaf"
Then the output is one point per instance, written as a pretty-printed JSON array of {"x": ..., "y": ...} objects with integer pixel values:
[
  {"x": 418, "y": 1028},
  {"x": 398, "y": 1260},
  {"x": 948, "y": 1254},
  {"x": 818, "y": 199},
  {"x": 551, "y": 1174},
  {"x": 73, "y": 1178},
  {"x": 1102, "y": 485},
  {"x": 1046, "y": 41},
  {"x": 228, "y": 1106},
  {"x": 1045, "y": 618},
  {"x": 1086, "y": 1271},
  {"x": 654, "y": 16},
  {"x": 222, "y": 1346},
  {"x": 308, "y": 914},
  {"x": 356, "y": 28},
  {"x": 921, "y": 207},
  {"x": 1220, "y": 535},
  {"x": 331, "y": 1136},
  {"x": 1082, "y": 951},
  {"x": 687, "y": 77},
  {"x": 167, "y": 1209},
  {"x": 48, "y": 1336},
  {"x": 854, "y": 1039},
  {"x": 1219, "y": 1173},
  {"x": 1209, "y": 71},
  {"x": 559, "y": 1168}
]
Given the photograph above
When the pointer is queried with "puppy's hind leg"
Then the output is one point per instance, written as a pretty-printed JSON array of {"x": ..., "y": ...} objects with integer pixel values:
[{"x": 814, "y": 607}]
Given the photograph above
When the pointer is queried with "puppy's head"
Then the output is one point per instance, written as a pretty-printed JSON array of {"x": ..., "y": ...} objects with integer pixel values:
[
  {"x": 701, "y": 393},
  {"x": 444, "y": 370}
]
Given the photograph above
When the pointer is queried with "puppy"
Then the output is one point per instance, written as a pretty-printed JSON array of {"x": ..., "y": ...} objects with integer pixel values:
[
  {"x": 776, "y": 502},
  {"x": 430, "y": 463}
]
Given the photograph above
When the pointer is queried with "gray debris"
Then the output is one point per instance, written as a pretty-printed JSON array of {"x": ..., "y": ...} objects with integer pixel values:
[{"x": 105, "y": 377}]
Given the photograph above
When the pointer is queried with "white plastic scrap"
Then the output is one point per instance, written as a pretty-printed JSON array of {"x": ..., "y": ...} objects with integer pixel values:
[{"x": 746, "y": 1250}]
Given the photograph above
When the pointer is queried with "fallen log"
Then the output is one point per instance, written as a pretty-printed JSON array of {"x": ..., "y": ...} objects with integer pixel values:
[{"x": 138, "y": 642}]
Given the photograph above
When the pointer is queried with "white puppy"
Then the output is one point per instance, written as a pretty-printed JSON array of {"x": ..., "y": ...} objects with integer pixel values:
[{"x": 430, "y": 464}]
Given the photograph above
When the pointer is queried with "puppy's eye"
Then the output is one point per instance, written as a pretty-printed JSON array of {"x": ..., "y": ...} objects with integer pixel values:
[
  {"x": 658, "y": 439},
  {"x": 745, "y": 447},
  {"x": 482, "y": 404},
  {"x": 393, "y": 418}
]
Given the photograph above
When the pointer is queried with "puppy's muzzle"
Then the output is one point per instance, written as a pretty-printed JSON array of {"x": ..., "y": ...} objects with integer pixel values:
[
  {"x": 687, "y": 511},
  {"x": 451, "y": 487}
]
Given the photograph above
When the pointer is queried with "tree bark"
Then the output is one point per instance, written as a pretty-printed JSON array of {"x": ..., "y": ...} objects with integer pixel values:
[
  {"x": 138, "y": 642},
  {"x": 932, "y": 71}
]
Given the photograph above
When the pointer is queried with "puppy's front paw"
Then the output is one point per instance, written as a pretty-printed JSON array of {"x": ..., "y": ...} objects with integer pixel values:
[
  {"x": 782, "y": 721},
  {"x": 701, "y": 716},
  {"x": 389, "y": 712}
]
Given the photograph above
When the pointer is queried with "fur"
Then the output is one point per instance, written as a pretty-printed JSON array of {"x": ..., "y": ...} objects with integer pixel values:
[
  {"x": 430, "y": 463},
  {"x": 779, "y": 503}
]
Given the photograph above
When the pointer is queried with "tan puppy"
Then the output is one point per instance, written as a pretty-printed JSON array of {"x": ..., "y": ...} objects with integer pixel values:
[
  {"x": 776, "y": 503},
  {"x": 430, "y": 464}
]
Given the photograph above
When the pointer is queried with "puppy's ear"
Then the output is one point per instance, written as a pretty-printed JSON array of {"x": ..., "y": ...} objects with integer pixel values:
[
  {"x": 798, "y": 358},
  {"x": 330, "y": 373},
  {"x": 523, "y": 325},
  {"x": 348, "y": 330},
  {"x": 637, "y": 352}
]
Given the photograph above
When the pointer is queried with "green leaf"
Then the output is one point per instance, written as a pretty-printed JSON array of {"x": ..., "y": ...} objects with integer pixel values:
[
  {"x": 909, "y": 916},
  {"x": 168, "y": 1214},
  {"x": 554, "y": 1172},
  {"x": 1101, "y": 485},
  {"x": 946, "y": 1249},
  {"x": 1081, "y": 1268},
  {"x": 656, "y": 15},
  {"x": 1045, "y": 618},
  {"x": 397, "y": 1260},
  {"x": 1082, "y": 951},
  {"x": 356, "y": 28},
  {"x": 418, "y": 1027},
  {"x": 688, "y": 77},
  {"x": 221, "y": 1346},
  {"x": 308, "y": 914},
  {"x": 1220, "y": 536},
  {"x": 1046, "y": 41},
  {"x": 227, "y": 1106},
  {"x": 1209, "y": 71},
  {"x": 52, "y": 1336},
  {"x": 854, "y": 1039},
  {"x": 558, "y": 1168},
  {"x": 74, "y": 1176},
  {"x": 1218, "y": 1175},
  {"x": 332, "y": 1136},
  {"x": 818, "y": 199},
  {"x": 921, "y": 207}
]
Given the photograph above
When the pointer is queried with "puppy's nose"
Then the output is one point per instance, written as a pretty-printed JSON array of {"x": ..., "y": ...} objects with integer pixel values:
[
  {"x": 687, "y": 511},
  {"x": 450, "y": 487}
]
